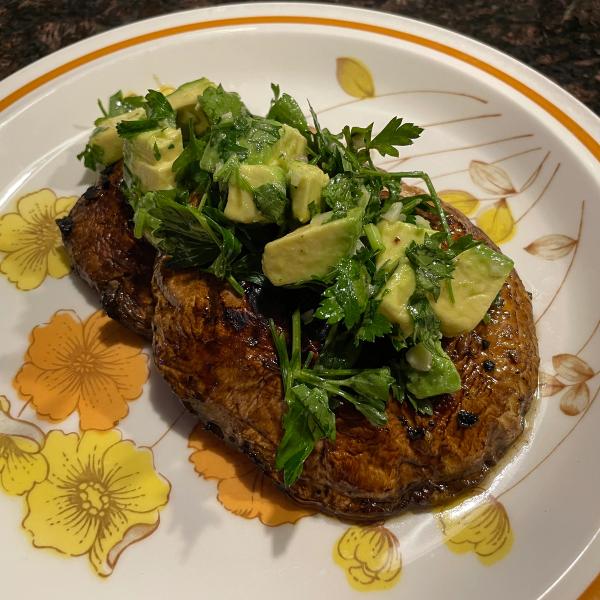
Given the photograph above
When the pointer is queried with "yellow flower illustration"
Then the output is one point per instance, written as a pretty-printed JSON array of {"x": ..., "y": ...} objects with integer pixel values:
[
  {"x": 21, "y": 462},
  {"x": 31, "y": 239},
  {"x": 461, "y": 200},
  {"x": 95, "y": 366},
  {"x": 242, "y": 489},
  {"x": 355, "y": 77},
  {"x": 498, "y": 222},
  {"x": 102, "y": 494},
  {"x": 477, "y": 524},
  {"x": 369, "y": 557}
]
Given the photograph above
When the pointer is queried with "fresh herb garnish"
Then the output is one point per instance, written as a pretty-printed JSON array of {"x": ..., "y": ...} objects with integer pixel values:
[
  {"x": 310, "y": 393},
  {"x": 346, "y": 300},
  {"x": 220, "y": 106},
  {"x": 373, "y": 324},
  {"x": 92, "y": 156},
  {"x": 158, "y": 108},
  {"x": 156, "y": 152},
  {"x": 189, "y": 236},
  {"x": 342, "y": 193},
  {"x": 186, "y": 167},
  {"x": 119, "y": 104},
  {"x": 159, "y": 114},
  {"x": 355, "y": 295},
  {"x": 271, "y": 201},
  {"x": 394, "y": 134},
  {"x": 365, "y": 357},
  {"x": 234, "y": 132},
  {"x": 286, "y": 110}
]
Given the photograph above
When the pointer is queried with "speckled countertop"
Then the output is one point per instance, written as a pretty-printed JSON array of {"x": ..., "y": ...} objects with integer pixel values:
[{"x": 560, "y": 38}]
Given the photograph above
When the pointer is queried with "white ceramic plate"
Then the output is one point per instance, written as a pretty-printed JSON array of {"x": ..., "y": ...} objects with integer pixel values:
[{"x": 522, "y": 158}]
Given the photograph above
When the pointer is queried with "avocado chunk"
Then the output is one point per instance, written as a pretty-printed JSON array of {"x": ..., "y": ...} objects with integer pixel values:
[
  {"x": 396, "y": 237},
  {"x": 186, "y": 95},
  {"x": 306, "y": 184},
  {"x": 106, "y": 139},
  {"x": 291, "y": 145},
  {"x": 149, "y": 158},
  {"x": 247, "y": 189},
  {"x": 441, "y": 378},
  {"x": 312, "y": 251},
  {"x": 478, "y": 276},
  {"x": 184, "y": 101}
]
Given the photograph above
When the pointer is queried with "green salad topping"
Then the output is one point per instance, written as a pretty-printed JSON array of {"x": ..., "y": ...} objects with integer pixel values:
[{"x": 278, "y": 201}]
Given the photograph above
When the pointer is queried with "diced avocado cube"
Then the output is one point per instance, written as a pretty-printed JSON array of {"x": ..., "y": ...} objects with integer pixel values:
[
  {"x": 186, "y": 95},
  {"x": 478, "y": 276},
  {"x": 184, "y": 100},
  {"x": 196, "y": 116},
  {"x": 310, "y": 252},
  {"x": 241, "y": 206},
  {"x": 106, "y": 138},
  {"x": 306, "y": 184},
  {"x": 255, "y": 176},
  {"x": 158, "y": 145},
  {"x": 149, "y": 158},
  {"x": 291, "y": 145},
  {"x": 153, "y": 177},
  {"x": 396, "y": 237}
]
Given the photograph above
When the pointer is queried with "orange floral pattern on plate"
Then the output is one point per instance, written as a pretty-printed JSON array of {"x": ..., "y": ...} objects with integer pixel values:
[
  {"x": 242, "y": 489},
  {"x": 94, "y": 366},
  {"x": 31, "y": 239}
]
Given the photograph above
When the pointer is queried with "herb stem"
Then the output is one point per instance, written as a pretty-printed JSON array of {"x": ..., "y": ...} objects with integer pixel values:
[
  {"x": 374, "y": 237},
  {"x": 102, "y": 109},
  {"x": 234, "y": 283},
  {"x": 333, "y": 389},
  {"x": 282, "y": 355},
  {"x": 295, "y": 361},
  {"x": 338, "y": 372},
  {"x": 438, "y": 204},
  {"x": 450, "y": 291},
  {"x": 410, "y": 203}
]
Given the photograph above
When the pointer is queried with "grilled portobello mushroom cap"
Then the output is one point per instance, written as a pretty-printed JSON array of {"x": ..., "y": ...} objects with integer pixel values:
[
  {"x": 98, "y": 237},
  {"x": 214, "y": 348}
]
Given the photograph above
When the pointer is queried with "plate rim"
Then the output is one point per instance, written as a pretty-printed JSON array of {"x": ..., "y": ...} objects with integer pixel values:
[
  {"x": 262, "y": 13},
  {"x": 584, "y": 566}
]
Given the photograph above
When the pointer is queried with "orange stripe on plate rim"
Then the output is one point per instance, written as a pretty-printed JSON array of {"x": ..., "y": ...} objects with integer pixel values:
[{"x": 581, "y": 134}]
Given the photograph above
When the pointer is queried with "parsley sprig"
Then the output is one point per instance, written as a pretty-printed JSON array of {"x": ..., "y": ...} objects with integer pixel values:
[
  {"x": 355, "y": 295},
  {"x": 119, "y": 104},
  {"x": 286, "y": 110},
  {"x": 92, "y": 156},
  {"x": 311, "y": 395},
  {"x": 349, "y": 153},
  {"x": 190, "y": 236},
  {"x": 159, "y": 113}
]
